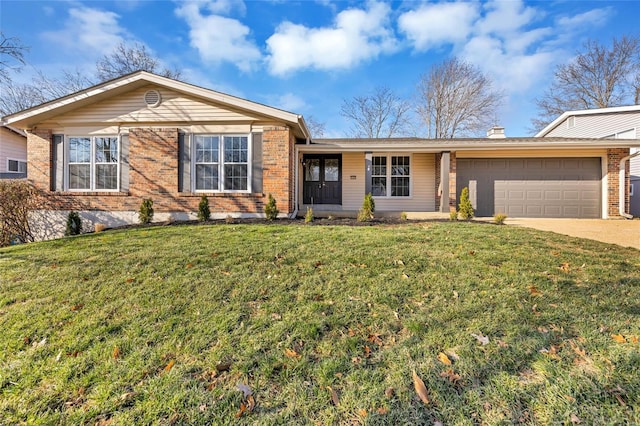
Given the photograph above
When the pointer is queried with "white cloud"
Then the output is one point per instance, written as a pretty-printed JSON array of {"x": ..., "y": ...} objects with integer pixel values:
[
  {"x": 90, "y": 30},
  {"x": 436, "y": 24},
  {"x": 289, "y": 102},
  {"x": 357, "y": 35},
  {"x": 218, "y": 38},
  {"x": 595, "y": 17},
  {"x": 505, "y": 17}
]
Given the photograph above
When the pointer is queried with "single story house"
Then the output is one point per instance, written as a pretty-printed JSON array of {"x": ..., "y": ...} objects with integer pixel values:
[
  {"x": 13, "y": 153},
  {"x": 608, "y": 123},
  {"x": 103, "y": 150}
]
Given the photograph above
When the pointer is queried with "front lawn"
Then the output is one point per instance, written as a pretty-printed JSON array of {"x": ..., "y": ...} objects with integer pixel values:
[{"x": 297, "y": 324}]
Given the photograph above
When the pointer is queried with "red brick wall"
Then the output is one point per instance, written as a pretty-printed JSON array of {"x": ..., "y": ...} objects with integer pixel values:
[
  {"x": 614, "y": 156},
  {"x": 153, "y": 173},
  {"x": 278, "y": 166}
]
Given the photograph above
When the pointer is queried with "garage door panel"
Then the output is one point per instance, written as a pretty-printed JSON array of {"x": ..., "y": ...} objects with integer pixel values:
[{"x": 536, "y": 187}]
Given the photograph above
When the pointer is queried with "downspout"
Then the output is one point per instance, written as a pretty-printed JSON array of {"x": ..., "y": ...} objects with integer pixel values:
[
  {"x": 622, "y": 187},
  {"x": 296, "y": 178}
]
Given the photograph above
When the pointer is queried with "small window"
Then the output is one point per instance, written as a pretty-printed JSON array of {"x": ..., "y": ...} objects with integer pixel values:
[
  {"x": 394, "y": 181},
  {"x": 16, "y": 166}
]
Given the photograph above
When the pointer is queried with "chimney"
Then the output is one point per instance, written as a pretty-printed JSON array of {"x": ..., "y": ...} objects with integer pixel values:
[{"x": 496, "y": 133}]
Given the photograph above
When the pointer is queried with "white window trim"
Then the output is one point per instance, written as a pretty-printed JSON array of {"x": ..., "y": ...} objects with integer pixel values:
[
  {"x": 19, "y": 161},
  {"x": 571, "y": 122},
  {"x": 411, "y": 172},
  {"x": 630, "y": 190},
  {"x": 92, "y": 164},
  {"x": 221, "y": 163}
]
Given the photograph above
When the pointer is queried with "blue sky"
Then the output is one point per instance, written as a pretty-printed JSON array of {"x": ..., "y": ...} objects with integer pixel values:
[{"x": 307, "y": 56}]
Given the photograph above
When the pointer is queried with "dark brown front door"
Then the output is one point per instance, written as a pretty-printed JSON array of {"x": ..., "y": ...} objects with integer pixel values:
[{"x": 322, "y": 179}]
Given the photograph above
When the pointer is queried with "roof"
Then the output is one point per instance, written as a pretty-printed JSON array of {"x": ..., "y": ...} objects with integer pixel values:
[
  {"x": 29, "y": 117},
  {"x": 460, "y": 144},
  {"x": 594, "y": 111},
  {"x": 14, "y": 130}
]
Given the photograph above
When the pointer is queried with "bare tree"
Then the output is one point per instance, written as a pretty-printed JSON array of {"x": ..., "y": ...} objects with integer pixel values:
[
  {"x": 455, "y": 99},
  {"x": 127, "y": 59},
  {"x": 380, "y": 114},
  {"x": 11, "y": 56},
  {"x": 598, "y": 77},
  {"x": 316, "y": 128}
]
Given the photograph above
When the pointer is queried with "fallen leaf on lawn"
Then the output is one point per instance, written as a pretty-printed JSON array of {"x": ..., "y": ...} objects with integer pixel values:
[
  {"x": 389, "y": 392},
  {"x": 334, "y": 396},
  {"x": 276, "y": 317},
  {"x": 565, "y": 267},
  {"x": 116, "y": 352},
  {"x": 455, "y": 294},
  {"x": 362, "y": 412},
  {"x": 317, "y": 264},
  {"x": 223, "y": 366},
  {"x": 127, "y": 396},
  {"x": 130, "y": 280},
  {"x": 170, "y": 365},
  {"x": 405, "y": 276},
  {"x": 252, "y": 403},
  {"x": 40, "y": 343},
  {"x": 472, "y": 252},
  {"x": 59, "y": 356},
  {"x": 450, "y": 375},
  {"x": 243, "y": 408},
  {"x": 577, "y": 350},
  {"x": 552, "y": 352},
  {"x": 420, "y": 388},
  {"x": 367, "y": 351},
  {"x": 633, "y": 339},
  {"x": 203, "y": 407},
  {"x": 290, "y": 353},
  {"x": 534, "y": 291},
  {"x": 619, "y": 338},
  {"x": 382, "y": 411},
  {"x": 246, "y": 390},
  {"x": 77, "y": 307},
  {"x": 227, "y": 273},
  {"x": 375, "y": 338},
  {"x": 444, "y": 358},
  {"x": 502, "y": 343},
  {"x": 399, "y": 262},
  {"x": 575, "y": 419},
  {"x": 484, "y": 340},
  {"x": 189, "y": 265}
]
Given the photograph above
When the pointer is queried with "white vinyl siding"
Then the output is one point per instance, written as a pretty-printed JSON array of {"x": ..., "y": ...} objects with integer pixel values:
[
  {"x": 598, "y": 125},
  {"x": 12, "y": 146}
]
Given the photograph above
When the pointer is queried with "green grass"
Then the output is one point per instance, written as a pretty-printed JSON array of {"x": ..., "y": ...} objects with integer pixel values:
[{"x": 361, "y": 307}]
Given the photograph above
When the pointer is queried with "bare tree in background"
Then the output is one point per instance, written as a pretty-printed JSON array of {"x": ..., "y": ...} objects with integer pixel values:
[
  {"x": 42, "y": 88},
  {"x": 455, "y": 99},
  {"x": 11, "y": 56},
  {"x": 127, "y": 59},
  {"x": 316, "y": 128},
  {"x": 598, "y": 77},
  {"x": 381, "y": 114}
]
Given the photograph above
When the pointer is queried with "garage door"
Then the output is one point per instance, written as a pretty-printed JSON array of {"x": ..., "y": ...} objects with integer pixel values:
[{"x": 532, "y": 187}]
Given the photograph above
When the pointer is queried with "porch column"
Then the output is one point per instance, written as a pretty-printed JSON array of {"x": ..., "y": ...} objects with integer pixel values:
[
  {"x": 367, "y": 172},
  {"x": 444, "y": 182}
]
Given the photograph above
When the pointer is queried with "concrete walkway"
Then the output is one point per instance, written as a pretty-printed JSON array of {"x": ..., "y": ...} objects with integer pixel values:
[{"x": 625, "y": 233}]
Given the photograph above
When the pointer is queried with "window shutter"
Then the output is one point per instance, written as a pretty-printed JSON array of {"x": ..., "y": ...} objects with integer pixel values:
[
  {"x": 57, "y": 165},
  {"x": 256, "y": 162},
  {"x": 368, "y": 157},
  {"x": 184, "y": 163},
  {"x": 124, "y": 163}
]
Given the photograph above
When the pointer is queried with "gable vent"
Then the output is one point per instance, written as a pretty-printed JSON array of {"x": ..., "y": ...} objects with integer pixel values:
[{"x": 152, "y": 98}]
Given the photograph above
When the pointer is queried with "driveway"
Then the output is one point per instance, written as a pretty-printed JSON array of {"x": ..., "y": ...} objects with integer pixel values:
[{"x": 625, "y": 233}]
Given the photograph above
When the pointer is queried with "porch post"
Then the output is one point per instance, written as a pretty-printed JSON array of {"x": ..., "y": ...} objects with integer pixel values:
[
  {"x": 367, "y": 172},
  {"x": 444, "y": 182}
]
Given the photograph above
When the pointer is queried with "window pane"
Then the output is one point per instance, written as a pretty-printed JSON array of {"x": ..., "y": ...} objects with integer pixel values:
[
  {"x": 379, "y": 186},
  {"x": 312, "y": 171},
  {"x": 399, "y": 186},
  {"x": 331, "y": 170},
  {"x": 379, "y": 166},
  {"x": 207, "y": 177},
  {"x": 207, "y": 149},
  {"x": 235, "y": 177},
  {"x": 79, "y": 150},
  {"x": 106, "y": 176},
  {"x": 106, "y": 150},
  {"x": 235, "y": 149},
  {"x": 399, "y": 166},
  {"x": 79, "y": 176}
]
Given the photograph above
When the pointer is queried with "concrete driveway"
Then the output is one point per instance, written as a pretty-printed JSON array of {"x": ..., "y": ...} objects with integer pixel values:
[{"x": 625, "y": 233}]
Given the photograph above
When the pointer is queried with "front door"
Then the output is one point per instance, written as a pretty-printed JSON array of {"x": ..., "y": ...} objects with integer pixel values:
[{"x": 322, "y": 179}]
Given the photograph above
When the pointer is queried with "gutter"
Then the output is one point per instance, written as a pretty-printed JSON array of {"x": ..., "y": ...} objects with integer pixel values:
[
  {"x": 294, "y": 214},
  {"x": 622, "y": 187}
]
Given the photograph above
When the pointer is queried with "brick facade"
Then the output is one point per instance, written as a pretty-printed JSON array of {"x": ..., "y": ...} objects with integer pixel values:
[
  {"x": 614, "y": 156},
  {"x": 153, "y": 173}
]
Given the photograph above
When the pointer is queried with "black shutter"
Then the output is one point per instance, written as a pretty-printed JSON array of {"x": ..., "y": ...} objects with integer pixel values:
[
  {"x": 184, "y": 163},
  {"x": 124, "y": 163},
  {"x": 57, "y": 165},
  {"x": 256, "y": 163}
]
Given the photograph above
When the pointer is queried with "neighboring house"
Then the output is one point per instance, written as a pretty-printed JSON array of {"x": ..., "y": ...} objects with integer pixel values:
[
  {"x": 608, "y": 123},
  {"x": 103, "y": 150},
  {"x": 13, "y": 153}
]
